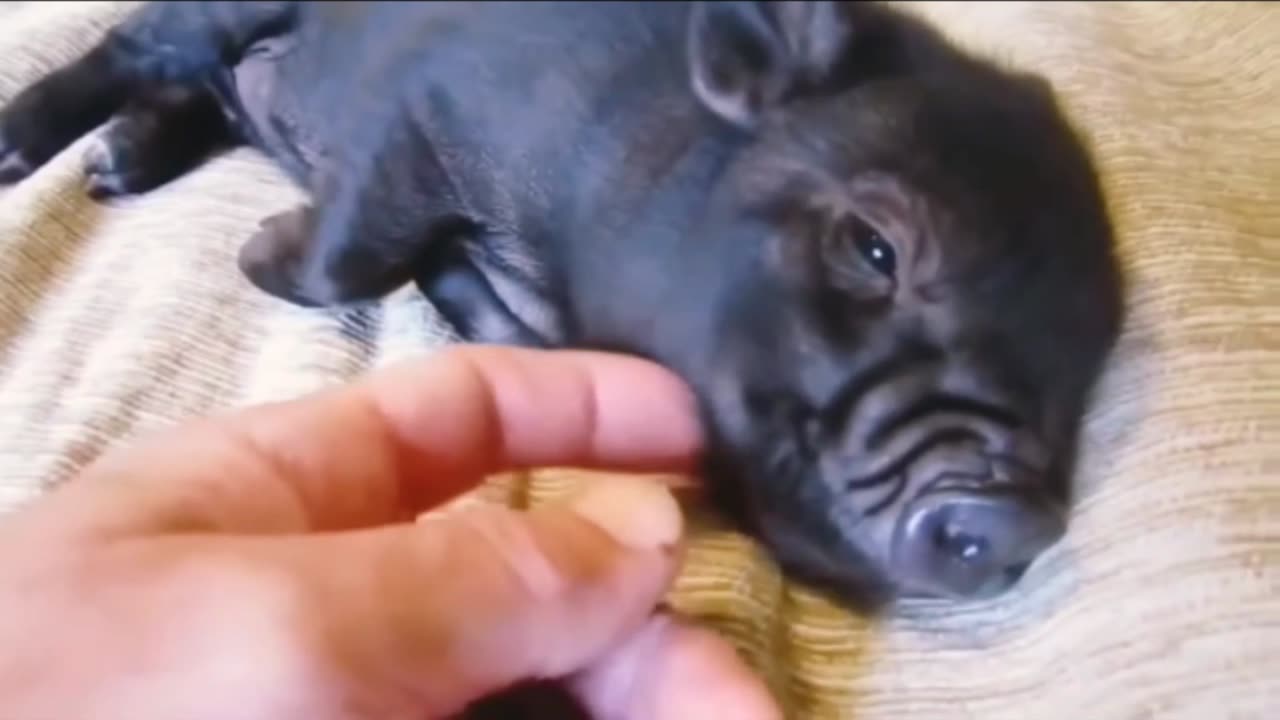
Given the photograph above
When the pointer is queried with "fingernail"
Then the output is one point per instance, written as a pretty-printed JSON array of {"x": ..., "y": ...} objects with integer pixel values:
[{"x": 639, "y": 514}]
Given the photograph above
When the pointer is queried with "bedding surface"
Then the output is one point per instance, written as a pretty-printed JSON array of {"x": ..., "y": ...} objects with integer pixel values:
[{"x": 1164, "y": 601}]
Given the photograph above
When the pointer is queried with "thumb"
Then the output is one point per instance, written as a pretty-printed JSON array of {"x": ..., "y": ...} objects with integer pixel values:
[{"x": 465, "y": 605}]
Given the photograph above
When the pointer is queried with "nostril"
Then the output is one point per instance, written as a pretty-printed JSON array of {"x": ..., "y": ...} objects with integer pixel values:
[{"x": 1014, "y": 573}]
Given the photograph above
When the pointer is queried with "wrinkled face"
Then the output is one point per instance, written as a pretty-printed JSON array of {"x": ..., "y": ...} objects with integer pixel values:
[{"x": 925, "y": 298}]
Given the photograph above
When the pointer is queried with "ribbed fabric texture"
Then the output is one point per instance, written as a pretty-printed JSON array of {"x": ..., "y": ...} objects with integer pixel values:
[{"x": 1164, "y": 601}]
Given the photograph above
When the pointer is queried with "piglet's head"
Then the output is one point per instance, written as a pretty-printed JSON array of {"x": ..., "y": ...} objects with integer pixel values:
[{"x": 913, "y": 294}]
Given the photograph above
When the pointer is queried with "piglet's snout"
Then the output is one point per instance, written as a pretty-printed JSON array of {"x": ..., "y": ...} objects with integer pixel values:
[
  {"x": 973, "y": 542},
  {"x": 972, "y": 504}
]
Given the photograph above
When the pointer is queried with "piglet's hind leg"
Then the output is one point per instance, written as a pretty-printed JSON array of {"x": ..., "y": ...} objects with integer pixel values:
[{"x": 161, "y": 45}]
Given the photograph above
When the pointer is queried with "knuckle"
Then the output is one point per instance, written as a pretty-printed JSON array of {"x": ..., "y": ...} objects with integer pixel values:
[
  {"x": 520, "y": 559},
  {"x": 545, "y": 561}
]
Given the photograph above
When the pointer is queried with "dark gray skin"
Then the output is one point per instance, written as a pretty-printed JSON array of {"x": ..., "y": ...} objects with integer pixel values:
[{"x": 884, "y": 266}]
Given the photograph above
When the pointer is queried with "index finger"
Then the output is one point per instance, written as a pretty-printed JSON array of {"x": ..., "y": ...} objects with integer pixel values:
[{"x": 392, "y": 444}]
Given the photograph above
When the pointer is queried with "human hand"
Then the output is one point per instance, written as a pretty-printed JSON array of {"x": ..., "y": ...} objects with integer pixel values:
[{"x": 265, "y": 564}]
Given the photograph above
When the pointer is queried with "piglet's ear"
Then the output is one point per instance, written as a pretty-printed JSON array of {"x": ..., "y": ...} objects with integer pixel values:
[{"x": 747, "y": 57}]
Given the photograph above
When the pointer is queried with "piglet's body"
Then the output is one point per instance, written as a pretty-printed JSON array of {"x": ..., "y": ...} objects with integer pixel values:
[{"x": 884, "y": 265}]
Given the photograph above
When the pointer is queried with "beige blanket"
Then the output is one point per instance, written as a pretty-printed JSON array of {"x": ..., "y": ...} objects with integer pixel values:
[{"x": 1163, "y": 603}]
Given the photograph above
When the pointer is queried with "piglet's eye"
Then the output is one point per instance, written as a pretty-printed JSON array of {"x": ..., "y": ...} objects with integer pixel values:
[{"x": 873, "y": 247}]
